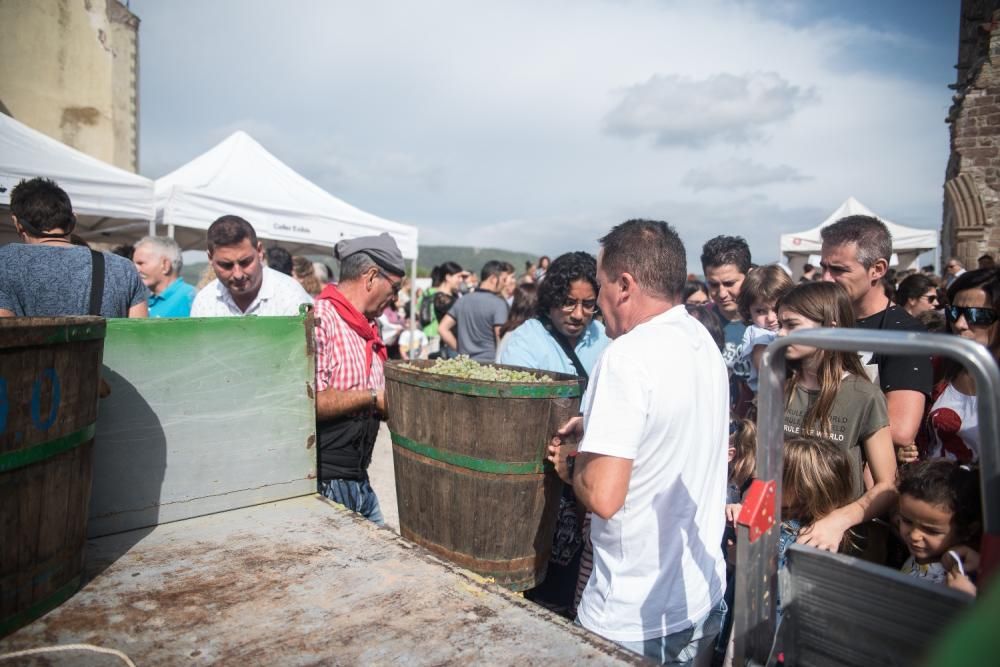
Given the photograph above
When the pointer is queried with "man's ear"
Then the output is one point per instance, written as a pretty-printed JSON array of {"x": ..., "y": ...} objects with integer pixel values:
[
  {"x": 260, "y": 250},
  {"x": 878, "y": 269},
  {"x": 167, "y": 266},
  {"x": 627, "y": 283}
]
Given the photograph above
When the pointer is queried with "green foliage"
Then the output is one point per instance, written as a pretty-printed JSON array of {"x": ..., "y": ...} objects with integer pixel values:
[{"x": 470, "y": 259}]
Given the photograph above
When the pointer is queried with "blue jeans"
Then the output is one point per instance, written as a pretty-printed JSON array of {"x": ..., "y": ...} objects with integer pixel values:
[
  {"x": 356, "y": 495},
  {"x": 683, "y": 647}
]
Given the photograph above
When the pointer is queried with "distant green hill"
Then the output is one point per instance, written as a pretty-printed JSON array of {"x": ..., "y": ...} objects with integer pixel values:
[{"x": 470, "y": 259}]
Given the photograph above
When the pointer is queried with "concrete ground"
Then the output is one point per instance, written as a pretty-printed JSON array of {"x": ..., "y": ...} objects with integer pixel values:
[{"x": 383, "y": 478}]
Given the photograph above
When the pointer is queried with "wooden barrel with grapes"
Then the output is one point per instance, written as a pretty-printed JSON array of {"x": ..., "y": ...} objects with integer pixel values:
[{"x": 472, "y": 482}]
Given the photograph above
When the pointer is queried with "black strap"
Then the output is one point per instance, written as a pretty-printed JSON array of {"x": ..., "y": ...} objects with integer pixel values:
[
  {"x": 96, "y": 282},
  {"x": 566, "y": 347}
]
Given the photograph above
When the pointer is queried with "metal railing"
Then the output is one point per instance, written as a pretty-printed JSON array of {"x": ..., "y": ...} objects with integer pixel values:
[{"x": 756, "y": 586}]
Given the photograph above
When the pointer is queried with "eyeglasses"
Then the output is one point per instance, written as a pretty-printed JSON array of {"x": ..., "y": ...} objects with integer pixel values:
[
  {"x": 931, "y": 298},
  {"x": 396, "y": 286},
  {"x": 589, "y": 306},
  {"x": 983, "y": 317}
]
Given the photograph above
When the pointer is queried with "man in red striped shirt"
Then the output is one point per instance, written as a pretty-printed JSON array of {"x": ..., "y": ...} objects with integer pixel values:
[{"x": 350, "y": 383}]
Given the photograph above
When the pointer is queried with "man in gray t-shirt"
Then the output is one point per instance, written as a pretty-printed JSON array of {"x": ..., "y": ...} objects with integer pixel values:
[
  {"x": 477, "y": 317},
  {"x": 48, "y": 276}
]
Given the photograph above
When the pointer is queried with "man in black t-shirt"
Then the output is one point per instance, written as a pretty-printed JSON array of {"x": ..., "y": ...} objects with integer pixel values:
[{"x": 855, "y": 253}]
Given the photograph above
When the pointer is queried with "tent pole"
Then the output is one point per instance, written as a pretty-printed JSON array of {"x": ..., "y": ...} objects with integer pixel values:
[
  {"x": 414, "y": 312},
  {"x": 152, "y": 227},
  {"x": 170, "y": 231}
]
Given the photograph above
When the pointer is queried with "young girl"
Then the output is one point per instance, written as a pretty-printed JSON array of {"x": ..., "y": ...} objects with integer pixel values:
[
  {"x": 759, "y": 295},
  {"x": 830, "y": 397},
  {"x": 939, "y": 520},
  {"x": 815, "y": 482}
]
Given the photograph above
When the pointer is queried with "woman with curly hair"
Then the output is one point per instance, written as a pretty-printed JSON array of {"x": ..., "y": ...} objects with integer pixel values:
[{"x": 563, "y": 337}]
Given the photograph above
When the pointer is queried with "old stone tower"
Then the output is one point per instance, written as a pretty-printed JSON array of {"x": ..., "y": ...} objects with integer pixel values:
[
  {"x": 971, "y": 224},
  {"x": 69, "y": 68}
]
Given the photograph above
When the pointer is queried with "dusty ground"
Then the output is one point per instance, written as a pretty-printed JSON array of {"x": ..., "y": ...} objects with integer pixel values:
[{"x": 383, "y": 478}]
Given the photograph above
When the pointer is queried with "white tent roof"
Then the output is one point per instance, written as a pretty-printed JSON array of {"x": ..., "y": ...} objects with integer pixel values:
[
  {"x": 109, "y": 202},
  {"x": 239, "y": 177},
  {"x": 904, "y": 239}
]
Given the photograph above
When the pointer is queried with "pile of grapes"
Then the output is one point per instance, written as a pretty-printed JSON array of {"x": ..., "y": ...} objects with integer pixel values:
[{"x": 466, "y": 368}]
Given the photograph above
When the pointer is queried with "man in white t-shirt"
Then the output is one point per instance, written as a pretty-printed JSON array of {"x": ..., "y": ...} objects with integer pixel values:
[
  {"x": 652, "y": 461},
  {"x": 245, "y": 285}
]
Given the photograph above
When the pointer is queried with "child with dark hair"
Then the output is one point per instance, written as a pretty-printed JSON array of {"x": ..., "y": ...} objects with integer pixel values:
[
  {"x": 758, "y": 300},
  {"x": 939, "y": 520}
]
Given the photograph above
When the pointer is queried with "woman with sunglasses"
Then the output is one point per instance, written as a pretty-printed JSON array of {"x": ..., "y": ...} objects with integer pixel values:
[
  {"x": 917, "y": 294},
  {"x": 953, "y": 425}
]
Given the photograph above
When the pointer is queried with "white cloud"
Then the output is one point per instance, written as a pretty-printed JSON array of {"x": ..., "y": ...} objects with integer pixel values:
[
  {"x": 501, "y": 124},
  {"x": 740, "y": 173},
  {"x": 679, "y": 110}
]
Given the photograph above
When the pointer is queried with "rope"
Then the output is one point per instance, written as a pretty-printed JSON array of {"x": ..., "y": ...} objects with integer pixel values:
[{"x": 68, "y": 647}]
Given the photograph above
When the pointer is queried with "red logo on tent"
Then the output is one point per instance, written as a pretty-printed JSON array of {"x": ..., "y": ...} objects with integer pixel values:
[{"x": 796, "y": 241}]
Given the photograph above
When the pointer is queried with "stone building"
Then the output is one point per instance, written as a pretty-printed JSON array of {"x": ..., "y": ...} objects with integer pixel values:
[
  {"x": 971, "y": 224},
  {"x": 69, "y": 68}
]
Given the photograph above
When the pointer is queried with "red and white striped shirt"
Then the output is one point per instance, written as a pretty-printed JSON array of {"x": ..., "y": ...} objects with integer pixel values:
[{"x": 340, "y": 354}]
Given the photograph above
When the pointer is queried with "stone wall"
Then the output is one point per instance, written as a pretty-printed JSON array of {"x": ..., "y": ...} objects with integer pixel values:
[{"x": 68, "y": 68}]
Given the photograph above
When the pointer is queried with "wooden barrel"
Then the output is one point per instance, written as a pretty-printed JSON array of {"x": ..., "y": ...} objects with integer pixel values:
[
  {"x": 472, "y": 482},
  {"x": 49, "y": 376}
]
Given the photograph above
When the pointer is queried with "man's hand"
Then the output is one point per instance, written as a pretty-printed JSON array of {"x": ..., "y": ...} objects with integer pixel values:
[
  {"x": 570, "y": 432},
  {"x": 564, "y": 443},
  {"x": 732, "y": 512},
  {"x": 558, "y": 455}
]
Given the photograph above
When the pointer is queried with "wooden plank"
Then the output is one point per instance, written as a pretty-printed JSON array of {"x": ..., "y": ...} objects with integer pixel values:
[
  {"x": 299, "y": 582},
  {"x": 204, "y": 415}
]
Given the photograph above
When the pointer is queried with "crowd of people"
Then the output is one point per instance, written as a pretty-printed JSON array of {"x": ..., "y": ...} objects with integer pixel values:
[{"x": 881, "y": 451}]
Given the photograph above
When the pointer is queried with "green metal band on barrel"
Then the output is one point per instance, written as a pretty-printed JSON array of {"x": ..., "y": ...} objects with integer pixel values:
[
  {"x": 44, "y": 450},
  {"x": 496, "y": 389},
  {"x": 40, "y": 608},
  {"x": 469, "y": 462},
  {"x": 76, "y": 332}
]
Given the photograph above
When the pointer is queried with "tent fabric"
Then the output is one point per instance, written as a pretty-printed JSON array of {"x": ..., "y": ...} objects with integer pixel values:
[
  {"x": 904, "y": 239},
  {"x": 240, "y": 177},
  {"x": 107, "y": 200}
]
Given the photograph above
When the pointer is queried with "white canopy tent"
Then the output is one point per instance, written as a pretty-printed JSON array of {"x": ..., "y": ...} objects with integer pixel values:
[
  {"x": 112, "y": 205},
  {"x": 908, "y": 243},
  {"x": 240, "y": 177}
]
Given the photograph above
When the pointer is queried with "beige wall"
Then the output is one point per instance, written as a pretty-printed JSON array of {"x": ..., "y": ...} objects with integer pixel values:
[{"x": 68, "y": 68}]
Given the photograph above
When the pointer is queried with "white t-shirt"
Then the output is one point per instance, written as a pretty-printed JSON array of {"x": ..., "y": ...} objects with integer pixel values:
[
  {"x": 660, "y": 397},
  {"x": 279, "y": 295},
  {"x": 418, "y": 350}
]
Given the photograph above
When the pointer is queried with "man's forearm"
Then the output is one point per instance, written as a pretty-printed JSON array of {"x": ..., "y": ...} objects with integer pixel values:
[
  {"x": 333, "y": 403},
  {"x": 449, "y": 338}
]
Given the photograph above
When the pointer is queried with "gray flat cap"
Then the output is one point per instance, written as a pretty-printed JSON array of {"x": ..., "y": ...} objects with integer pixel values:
[{"x": 382, "y": 249}]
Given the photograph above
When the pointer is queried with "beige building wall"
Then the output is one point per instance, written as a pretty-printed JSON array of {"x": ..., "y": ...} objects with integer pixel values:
[{"x": 69, "y": 68}]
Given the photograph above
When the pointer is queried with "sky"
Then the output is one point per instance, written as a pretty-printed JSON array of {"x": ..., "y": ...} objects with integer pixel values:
[{"x": 536, "y": 126}]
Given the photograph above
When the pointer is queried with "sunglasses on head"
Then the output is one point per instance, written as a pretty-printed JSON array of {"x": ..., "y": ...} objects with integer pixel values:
[{"x": 973, "y": 316}]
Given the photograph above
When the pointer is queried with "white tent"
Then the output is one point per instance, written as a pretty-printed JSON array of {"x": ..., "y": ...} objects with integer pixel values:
[
  {"x": 112, "y": 205},
  {"x": 239, "y": 177},
  {"x": 908, "y": 243}
]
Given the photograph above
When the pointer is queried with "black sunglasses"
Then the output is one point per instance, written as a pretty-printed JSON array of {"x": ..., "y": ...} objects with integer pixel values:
[{"x": 973, "y": 316}]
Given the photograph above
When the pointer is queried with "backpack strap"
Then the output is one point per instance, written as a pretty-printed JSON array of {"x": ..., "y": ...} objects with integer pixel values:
[
  {"x": 566, "y": 347},
  {"x": 96, "y": 282}
]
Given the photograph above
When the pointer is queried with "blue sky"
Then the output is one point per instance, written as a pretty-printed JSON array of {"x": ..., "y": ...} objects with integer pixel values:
[{"x": 536, "y": 126}]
